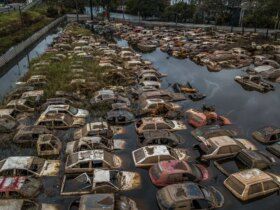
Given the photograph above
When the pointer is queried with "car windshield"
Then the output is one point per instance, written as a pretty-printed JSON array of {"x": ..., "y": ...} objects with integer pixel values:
[
  {"x": 170, "y": 123},
  {"x": 195, "y": 170},
  {"x": 156, "y": 171},
  {"x": 73, "y": 110}
]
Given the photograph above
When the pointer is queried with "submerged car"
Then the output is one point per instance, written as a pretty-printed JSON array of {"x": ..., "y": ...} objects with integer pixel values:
[
  {"x": 162, "y": 94},
  {"x": 19, "y": 186},
  {"x": 65, "y": 109},
  {"x": 245, "y": 159},
  {"x": 95, "y": 129},
  {"x": 30, "y": 134},
  {"x": 274, "y": 149},
  {"x": 267, "y": 135},
  {"x": 159, "y": 137},
  {"x": 108, "y": 96},
  {"x": 60, "y": 121},
  {"x": 254, "y": 82},
  {"x": 48, "y": 145},
  {"x": 252, "y": 183},
  {"x": 8, "y": 120},
  {"x": 25, "y": 204},
  {"x": 175, "y": 171},
  {"x": 94, "y": 142},
  {"x": 158, "y": 123},
  {"x": 210, "y": 131},
  {"x": 150, "y": 155},
  {"x": 157, "y": 106},
  {"x": 189, "y": 196},
  {"x": 21, "y": 105},
  {"x": 104, "y": 202},
  {"x": 56, "y": 101},
  {"x": 101, "y": 181},
  {"x": 198, "y": 118},
  {"x": 87, "y": 161},
  {"x": 29, "y": 166},
  {"x": 222, "y": 147},
  {"x": 120, "y": 116}
]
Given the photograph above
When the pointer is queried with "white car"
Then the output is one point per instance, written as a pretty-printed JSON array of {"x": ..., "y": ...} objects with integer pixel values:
[{"x": 66, "y": 109}]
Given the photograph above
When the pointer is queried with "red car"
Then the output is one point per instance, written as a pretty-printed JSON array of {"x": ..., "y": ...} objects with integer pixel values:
[
  {"x": 176, "y": 171},
  {"x": 198, "y": 118}
]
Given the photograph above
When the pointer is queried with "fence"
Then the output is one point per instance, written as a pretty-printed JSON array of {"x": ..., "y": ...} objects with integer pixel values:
[{"x": 16, "y": 50}]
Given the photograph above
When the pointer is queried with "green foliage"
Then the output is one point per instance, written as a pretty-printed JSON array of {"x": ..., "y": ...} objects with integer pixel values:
[
  {"x": 181, "y": 12},
  {"x": 52, "y": 12}
]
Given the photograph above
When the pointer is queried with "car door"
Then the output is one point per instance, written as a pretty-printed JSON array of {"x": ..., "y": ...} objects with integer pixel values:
[
  {"x": 255, "y": 190},
  {"x": 270, "y": 186},
  {"x": 223, "y": 152}
]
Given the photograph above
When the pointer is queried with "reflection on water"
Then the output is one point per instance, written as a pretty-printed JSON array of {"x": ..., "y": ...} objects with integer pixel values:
[
  {"x": 20, "y": 67},
  {"x": 249, "y": 110}
]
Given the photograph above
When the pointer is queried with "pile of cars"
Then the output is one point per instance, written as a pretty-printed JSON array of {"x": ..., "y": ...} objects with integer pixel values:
[{"x": 77, "y": 132}]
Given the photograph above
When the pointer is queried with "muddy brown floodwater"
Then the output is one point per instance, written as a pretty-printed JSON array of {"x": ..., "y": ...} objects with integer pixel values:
[{"x": 248, "y": 110}]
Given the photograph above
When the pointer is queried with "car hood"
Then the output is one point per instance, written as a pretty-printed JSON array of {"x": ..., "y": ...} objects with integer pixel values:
[
  {"x": 79, "y": 121},
  {"x": 179, "y": 125},
  {"x": 119, "y": 143},
  {"x": 247, "y": 144},
  {"x": 50, "y": 207},
  {"x": 82, "y": 113},
  {"x": 50, "y": 168},
  {"x": 130, "y": 180}
]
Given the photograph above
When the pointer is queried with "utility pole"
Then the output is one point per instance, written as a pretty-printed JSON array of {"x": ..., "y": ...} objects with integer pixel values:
[
  {"x": 91, "y": 12},
  {"x": 77, "y": 12},
  {"x": 123, "y": 9}
]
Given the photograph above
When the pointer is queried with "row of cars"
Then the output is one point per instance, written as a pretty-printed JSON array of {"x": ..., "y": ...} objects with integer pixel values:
[{"x": 216, "y": 50}]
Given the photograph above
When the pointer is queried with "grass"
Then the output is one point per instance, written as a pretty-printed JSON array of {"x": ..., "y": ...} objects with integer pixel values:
[{"x": 13, "y": 29}]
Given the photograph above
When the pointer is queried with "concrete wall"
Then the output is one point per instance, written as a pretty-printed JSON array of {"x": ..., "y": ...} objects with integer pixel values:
[{"x": 18, "y": 49}]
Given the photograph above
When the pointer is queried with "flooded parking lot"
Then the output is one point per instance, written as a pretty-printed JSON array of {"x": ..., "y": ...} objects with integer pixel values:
[{"x": 249, "y": 110}]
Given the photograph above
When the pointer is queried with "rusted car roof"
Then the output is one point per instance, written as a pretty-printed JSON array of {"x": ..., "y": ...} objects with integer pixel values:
[
  {"x": 32, "y": 93},
  {"x": 251, "y": 176},
  {"x": 6, "y": 112},
  {"x": 97, "y": 202}
]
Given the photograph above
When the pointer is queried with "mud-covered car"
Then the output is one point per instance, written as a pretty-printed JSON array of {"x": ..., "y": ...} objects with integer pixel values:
[
  {"x": 21, "y": 105},
  {"x": 153, "y": 84},
  {"x": 120, "y": 114},
  {"x": 94, "y": 142},
  {"x": 26, "y": 204},
  {"x": 108, "y": 96},
  {"x": 55, "y": 101},
  {"x": 222, "y": 146},
  {"x": 158, "y": 123},
  {"x": 267, "y": 135},
  {"x": 245, "y": 159},
  {"x": 8, "y": 120},
  {"x": 252, "y": 183},
  {"x": 30, "y": 134},
  {"x": 29, "y": 166},
  {"x": 157, "y": 106},
  {"x": 103, "y": 201},
  {"x": 142, "y": 72},
  {"x": 37, "y": 81},
  {"x": 48, "y": 145},
  {"x": 189, "y": 196},
  {"x": 210, "y": 131},
  {"x": 19, "y": 187},
  {"x": 274, "y": 149},
  {"x": 66, "y": 109},
  {"x": 87, "y": 161},
  {"x": 100, "y": 181},
  {"x": 34, "y": 96},
  {"x": 198, "y": 118},
  {"x": 150, "y": 155},
  {"x": 176, "y": 171},
  {"x": 159, "y": 137},
  {"x": 59, "y": 121},
  {"x": 162, "y": 94},
  {"x": 254, "y": 82},
  {"x": 94, "y": 129}
]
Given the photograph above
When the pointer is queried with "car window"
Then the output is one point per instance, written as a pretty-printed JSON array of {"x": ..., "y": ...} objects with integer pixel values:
[
  {"x": 269, "y": 185},
  {"x": 234, "y": 148},
  {"x": 224, "y": 150},
  {"x": 46, "y": 147},
  {"x": 152, "y": 106},
  {"x": 153, "y": 159},
  {"x": 59, "y": 123},
  {"x": 236, "y": 185},
  {"x": 165, "y": 157},
  {"x": 255, "y": 188},
  {"x": 273, "y": 137},
  {"x": 200, "y": 204},
  {"x": 149, "y": 127},
  {"x": 162, "y": 126}
]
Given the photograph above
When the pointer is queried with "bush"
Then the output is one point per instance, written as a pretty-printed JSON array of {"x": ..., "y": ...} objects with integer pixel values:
[{"x": 52, "y": 12}]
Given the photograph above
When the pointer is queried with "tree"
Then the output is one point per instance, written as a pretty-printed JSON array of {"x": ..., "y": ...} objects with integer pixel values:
[{"x": 181, "y": 12}]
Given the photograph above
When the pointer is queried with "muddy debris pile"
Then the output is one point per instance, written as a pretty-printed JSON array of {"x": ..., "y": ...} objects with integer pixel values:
[{"x": 78, "y": 101}]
